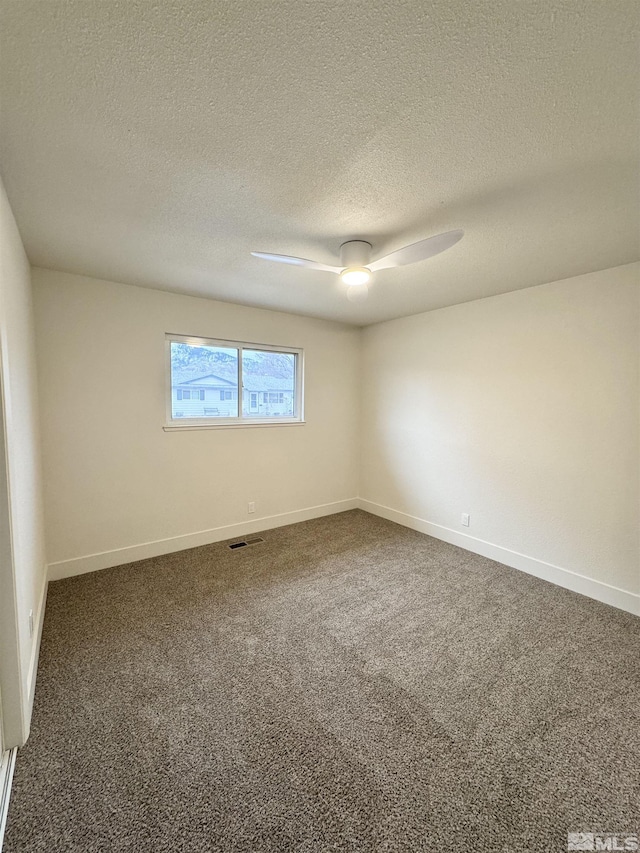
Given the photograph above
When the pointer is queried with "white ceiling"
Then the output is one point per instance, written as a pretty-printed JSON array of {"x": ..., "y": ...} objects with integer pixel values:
[{"x": 158, "y": 143}]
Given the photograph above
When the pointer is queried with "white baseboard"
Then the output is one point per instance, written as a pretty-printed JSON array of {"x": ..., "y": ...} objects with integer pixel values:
[
  {"x": 35, "y": 650},
  {"x": 7, "y": 765},
  {"x": 566, "y": 578},
  {"x": 107, "y": 559},
  {"x": 612, "y": 595}
]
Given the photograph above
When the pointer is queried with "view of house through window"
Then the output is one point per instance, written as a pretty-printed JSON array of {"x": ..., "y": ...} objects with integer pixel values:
[{"x": 213, "y": 380}]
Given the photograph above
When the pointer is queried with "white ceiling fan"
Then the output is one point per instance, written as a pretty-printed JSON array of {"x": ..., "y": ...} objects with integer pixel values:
[{"x": 356, "y": 267}]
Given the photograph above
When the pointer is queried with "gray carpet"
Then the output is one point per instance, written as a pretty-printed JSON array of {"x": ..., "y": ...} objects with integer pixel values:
[{"x": 348, "y": 685}]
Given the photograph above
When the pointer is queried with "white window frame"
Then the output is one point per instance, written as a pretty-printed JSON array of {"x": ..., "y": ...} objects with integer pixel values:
[{"x": 172, "y": 423}]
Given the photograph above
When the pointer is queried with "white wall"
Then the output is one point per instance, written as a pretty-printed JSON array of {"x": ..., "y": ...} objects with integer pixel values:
[
  {"x": 523, "y": 411},
  {"x": 115, "y": 480},
  {"x": 23, "y": 572}
]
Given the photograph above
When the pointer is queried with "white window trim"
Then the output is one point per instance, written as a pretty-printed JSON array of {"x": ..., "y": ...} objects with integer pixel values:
[{"x": 177, "y": 424}]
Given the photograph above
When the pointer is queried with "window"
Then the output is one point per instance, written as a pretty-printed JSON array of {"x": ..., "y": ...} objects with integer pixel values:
[
  {"x": 238, "y": 384},
  {"x": 189, "y": 394}
]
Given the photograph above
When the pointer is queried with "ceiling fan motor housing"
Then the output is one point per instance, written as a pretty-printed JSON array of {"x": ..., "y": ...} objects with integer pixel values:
[{"x": 355, "y": 253}]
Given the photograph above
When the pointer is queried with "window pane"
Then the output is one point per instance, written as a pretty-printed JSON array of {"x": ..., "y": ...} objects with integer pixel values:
[
  {"x": 269, "y": 382},
  {"x": 214, "y": 370}
]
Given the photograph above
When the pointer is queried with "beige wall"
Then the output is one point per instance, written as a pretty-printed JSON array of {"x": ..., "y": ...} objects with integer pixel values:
[
  {"x": 521, "y": 410},
  {"x": 22, "y": 552},
  {"x": 115, "y": 480}
]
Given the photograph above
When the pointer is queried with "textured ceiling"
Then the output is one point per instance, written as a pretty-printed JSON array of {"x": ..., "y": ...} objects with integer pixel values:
[{"x": 158, "y": 143}]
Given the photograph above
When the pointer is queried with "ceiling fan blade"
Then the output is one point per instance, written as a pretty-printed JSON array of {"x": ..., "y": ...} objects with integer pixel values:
[
  {"x": 296, "y": 262},
  {"x": 357, "y": 292},
  {"x": 419, "y": 251}
]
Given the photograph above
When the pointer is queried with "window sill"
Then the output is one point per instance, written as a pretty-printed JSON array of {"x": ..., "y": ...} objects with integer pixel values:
[{"x": 244, "y": 425}]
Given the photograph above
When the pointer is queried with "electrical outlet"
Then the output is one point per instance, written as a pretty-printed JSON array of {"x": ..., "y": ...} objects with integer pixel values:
[
  {"x": 31, "y": 623},
  {"x": 465, "y": 519},
  {"x": 252, "y": 506}
]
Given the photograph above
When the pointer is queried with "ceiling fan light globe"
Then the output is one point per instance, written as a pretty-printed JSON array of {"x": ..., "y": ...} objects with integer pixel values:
[{"x": 355, "y": 276}]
